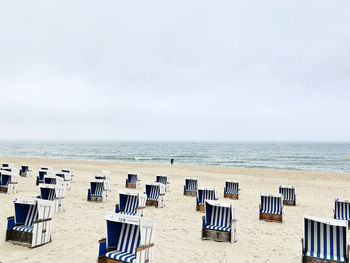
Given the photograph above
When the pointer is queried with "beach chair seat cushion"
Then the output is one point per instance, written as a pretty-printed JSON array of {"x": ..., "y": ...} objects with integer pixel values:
[
  {"x": 128, "y": 213},
  {"x": 231, "y": 191},
  {"x": 220, "y": 228},
  {"x": 122, "y": 256},
  {"x": 27, "y": 229}
]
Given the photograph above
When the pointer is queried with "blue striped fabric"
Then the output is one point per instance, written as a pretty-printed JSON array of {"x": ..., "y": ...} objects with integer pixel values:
[
  {"x": 220, "y": 218},
  {"x": 271, "y": 205},
  {"x": 48, "y": 193},
  {"x": 49, "y": 180},
  {"x": 191, "y": 185},
  {"x": 342, "y": 209},
  {"x": 205, "y": 194},
  {"x": 287, "y": 193},
  {"x": 28, "y": 223},
  {"x": 97, "y": 189},
  {"x": 131, "y": 204},
  {"x": 231, "y": 188},
  {"x": 129, "y": 239},
  {"x": 152, "y": 192},
  {"x": 326, "y": 241},
  {"x": 161, "y": 179}
]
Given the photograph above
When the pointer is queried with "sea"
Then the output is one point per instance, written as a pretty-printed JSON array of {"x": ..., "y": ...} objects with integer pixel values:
[{"x": 316, "y": 156}]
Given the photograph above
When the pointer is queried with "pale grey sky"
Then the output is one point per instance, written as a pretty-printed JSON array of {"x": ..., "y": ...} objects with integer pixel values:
[{"x": 175, "y": 70}]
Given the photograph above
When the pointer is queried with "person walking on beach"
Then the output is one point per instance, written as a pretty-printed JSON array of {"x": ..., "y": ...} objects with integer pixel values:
[{"x": 171, "y": 161}]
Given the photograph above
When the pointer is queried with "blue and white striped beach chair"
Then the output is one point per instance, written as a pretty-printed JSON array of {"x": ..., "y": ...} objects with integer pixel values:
[
  {"x": 231, "y": 189},
  {"x": 129, "y": 239},
  {"x": 98, "y": 191},
  {"x": 219, "y": 222},
  {"x": 155, "y": 194},
  {"x": 31, "y": 225},
  {"x": 133, "y": 181},
  {"x": 41, "y": 175},
  {"x": 325, "y": 240},
  {"x": 26, "y": 171},
  {"x": 205, "y": 193},
  {"x": 191, "y": 186},
  {"x": 342, "y": 209},
  {"x": 271, "y": 207},
  {"x": 53, "y": 193},
  {"x": 288, "y": 194},
  {"x": 8, "y": 182},
  {"x": 164, "y": 179},
  {"x": 131, "y": 203}
]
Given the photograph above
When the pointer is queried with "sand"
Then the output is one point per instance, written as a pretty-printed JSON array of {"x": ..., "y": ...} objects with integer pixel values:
[{"x": 75, "y": 233}]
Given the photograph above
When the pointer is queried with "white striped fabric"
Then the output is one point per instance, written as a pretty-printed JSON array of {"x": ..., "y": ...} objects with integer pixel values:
[
  {"x": 220, "y": 218},
  {"x": 98, "y": 189},
  {"x": 32, "y": 215},
  {"x": 131, "y": 203},
  {"x": 205, "y": 194},
  {"x": 323, "y": 240},
  {"x": 121, "y": 256},
  {"x": 288, "y": 193},
  {"x": 271, "y": 204},
  {"x": 153, "y": 192},
  {"x": 191, "y": 185},
  {"x": 129, "y": 238},
  {"x": 342, "y": 209},
  {"x": 231, "y": 187}
]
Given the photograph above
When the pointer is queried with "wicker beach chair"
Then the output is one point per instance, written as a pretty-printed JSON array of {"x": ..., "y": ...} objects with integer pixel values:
[
  {"x": 191, "y": 186},
  {"x": 41, "y": 175},
  {"x": 325, "y": 240},
  {"x": 164, "y": 179},
  {"x": 129, "y": 239},
  {"x": 219, "y": 222},
  {"x": 205, "y": 193},
  {"x": 271, "y": 207},
  {"x": 288, "y": 193},
  {"x": 31, "y": 225},
  {"x": 98, "y": 191},
  {"x": 155, "y": 194},
  {"x": 131, "y": 203}
]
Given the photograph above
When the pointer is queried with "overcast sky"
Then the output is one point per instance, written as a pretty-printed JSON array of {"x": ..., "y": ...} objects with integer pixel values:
[{"x": 175, "y": 70}]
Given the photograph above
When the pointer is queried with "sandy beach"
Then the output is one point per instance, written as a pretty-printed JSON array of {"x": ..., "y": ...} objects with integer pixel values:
[{"x": 75, "y": 233}]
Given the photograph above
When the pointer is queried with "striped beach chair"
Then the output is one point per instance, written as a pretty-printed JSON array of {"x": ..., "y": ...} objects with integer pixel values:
[
  {"x": 53, "y": 193},
  {"x": 129, "y": 239},
  {"x": 26, "y": 171},
  {"x": 231, "y": 189},
  {"x": 31, "y": 225},
  {"x": 205, "y": 193},
  {"x": 41, "y": 175},
  {"x": 155, "y": 194},
  {"x": 133, "y": 181},
  {"x": 191, "y": 186},
  {"x": 67, "y": 179},
  {"x": 288, "y": 193},
  {"x": 325, "y": 240},
  {"x": 164, "y": 179},
  {"x": 271, "y": 207},
  {"x": 131, "y": 203},
  {"x": 342, "y": 209},
  {"x": 98, "y": 191},
  {"x": 71, "y": 172},
  {"x": 8, "y": 182},
  {"x": 219, "y": 222}
]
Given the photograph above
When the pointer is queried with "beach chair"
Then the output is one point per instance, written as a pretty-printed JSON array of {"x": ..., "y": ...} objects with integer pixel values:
[
  {"x": 42, "y": 174},
  {"x": 129, "y": 239},
  {"x": 325, "y": 240},
  {"x": 67, "y": 178},
  {"x": 231, "y": 189},
  {"x": 131, "y": 203},
  {"x": 26, "y": 171},
  {"x": 106, "y": 176},
  {"x": 271, "y": 207},
  {"x": 53, "y": 193},
  {"x": 342, "y": 209},
  {"x": 155, "y": 194},
  {"x": 31, "y": 225},
  {"x": 205, "y": 193},
  {"x": 69, "y": 171},
  {"x": 164, "y": 179},
  {"x": 98, "y": 191},
  {"x": 191, "y": 186},
  {"x": 288, "y": 193},
  {"x": 52, "y": 179},
  {"x": 8, "y": 182},
  {"x": 133, "y": 181},
  {"x": 219, "y": 222}
]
